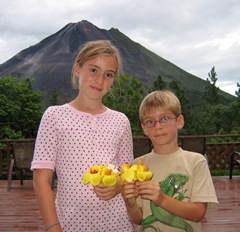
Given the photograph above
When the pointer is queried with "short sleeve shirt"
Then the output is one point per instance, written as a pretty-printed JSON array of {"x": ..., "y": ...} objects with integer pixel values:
[
  {"x": 184, "y": 176},
  {"x": 71, "y": 141}
]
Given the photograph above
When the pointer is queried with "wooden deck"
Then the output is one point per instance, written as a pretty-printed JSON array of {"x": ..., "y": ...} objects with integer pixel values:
[{"x": 19, "y": 211}]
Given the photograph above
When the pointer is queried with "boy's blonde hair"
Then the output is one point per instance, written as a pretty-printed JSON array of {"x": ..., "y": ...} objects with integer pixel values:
[
  {"x": 163, "y": 99},
  {"x": 94, "y": 49}
]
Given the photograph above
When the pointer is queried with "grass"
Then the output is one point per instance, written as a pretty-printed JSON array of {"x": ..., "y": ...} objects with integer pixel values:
[{"x": 224, "y": 172}]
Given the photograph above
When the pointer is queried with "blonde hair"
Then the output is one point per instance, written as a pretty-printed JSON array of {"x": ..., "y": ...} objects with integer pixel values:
[
  {"x": 93, "y": 49},
  {"x": 160, "y": 99}
]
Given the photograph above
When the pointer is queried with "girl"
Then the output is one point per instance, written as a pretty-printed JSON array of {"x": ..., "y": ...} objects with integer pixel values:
[{"x": 77, "y": 135}]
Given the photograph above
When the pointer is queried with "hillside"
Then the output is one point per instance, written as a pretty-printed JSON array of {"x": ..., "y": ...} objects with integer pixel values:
[{"x": 50, "y": 61}]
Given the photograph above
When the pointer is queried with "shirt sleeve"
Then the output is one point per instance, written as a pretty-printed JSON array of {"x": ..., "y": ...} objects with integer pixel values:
[
  {"x": 203, "y": 189},
  {"x": 46, "y": 141}
]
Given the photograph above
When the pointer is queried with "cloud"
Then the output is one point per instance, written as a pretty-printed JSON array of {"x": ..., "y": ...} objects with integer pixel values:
[{"x": 194, "y": 35}]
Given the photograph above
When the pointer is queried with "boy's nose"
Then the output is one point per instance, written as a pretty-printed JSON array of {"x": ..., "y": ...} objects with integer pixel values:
[{"x": 158, "y": 124}]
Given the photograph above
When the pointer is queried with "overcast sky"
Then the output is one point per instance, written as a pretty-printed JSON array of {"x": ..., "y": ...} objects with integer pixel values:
[{"x": 193, "y": 34}]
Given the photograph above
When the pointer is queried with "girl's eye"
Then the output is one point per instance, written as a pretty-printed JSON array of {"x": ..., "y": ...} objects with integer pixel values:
[
  {"x": 109, "y": 75},
  {"x": 93, "y": 70}
]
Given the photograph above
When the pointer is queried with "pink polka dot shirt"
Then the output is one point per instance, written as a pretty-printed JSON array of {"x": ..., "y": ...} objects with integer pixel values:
[{"x": 70, "y": 141}]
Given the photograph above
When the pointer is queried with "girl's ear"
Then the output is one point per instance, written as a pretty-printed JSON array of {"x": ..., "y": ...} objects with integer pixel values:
[
  {"x": 180, "y": 121},
  {"x": 76, "y": 70}
]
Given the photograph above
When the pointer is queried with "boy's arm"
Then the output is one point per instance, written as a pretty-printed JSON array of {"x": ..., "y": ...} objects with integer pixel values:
[
  {"x": 129, "y": 194},
  {"x": 192, "y": 211}
]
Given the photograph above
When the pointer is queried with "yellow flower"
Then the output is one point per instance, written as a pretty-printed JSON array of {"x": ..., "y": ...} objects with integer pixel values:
[
  {"x": 93, "y": 176},
  {"x": 125, "y": 167},
  {"x": 142, "y": 173},
  {"x": 128, "y": 172},
  {"x": 108, "y": 174},
  {"x": 97, "y": 174},
  {"x": 135, "y": 172},
  {"x": 109, "y": 177}
]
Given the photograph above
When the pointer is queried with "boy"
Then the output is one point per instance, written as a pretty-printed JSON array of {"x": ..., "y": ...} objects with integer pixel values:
[{"x": 181, "y": 190}]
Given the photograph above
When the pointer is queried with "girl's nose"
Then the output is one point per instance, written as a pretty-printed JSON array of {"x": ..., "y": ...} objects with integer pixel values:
[{"x": 99, "y": 79}]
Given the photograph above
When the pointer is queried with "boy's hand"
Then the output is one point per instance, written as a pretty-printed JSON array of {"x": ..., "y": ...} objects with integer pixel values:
[
  {"x": 150, "y": 190},
  {"x": 129, "y": 193}
]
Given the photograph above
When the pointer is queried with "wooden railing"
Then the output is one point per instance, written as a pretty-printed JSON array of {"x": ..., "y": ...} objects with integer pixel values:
[{"x": 218, "y": 153}]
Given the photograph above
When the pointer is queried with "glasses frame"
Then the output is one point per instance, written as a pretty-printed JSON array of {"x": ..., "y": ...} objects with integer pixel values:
[{"x": 163, "y": 121}]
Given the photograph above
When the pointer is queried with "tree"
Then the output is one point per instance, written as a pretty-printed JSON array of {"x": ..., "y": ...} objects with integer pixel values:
[
  {"x": 237, "y": 93},
  {"x": 21, "y": 108},
  {"x": 173, "y": 86},
  {"x": 126, "y": 96},
  {"x": 211, "y": 93},
  {"x": 159, "y": 84},
  {"x": 234, "y": 111},
  {"x": 53, "y": 97}
]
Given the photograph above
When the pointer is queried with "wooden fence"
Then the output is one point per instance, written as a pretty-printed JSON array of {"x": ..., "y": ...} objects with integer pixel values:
[{"x": 218, "y": 153}]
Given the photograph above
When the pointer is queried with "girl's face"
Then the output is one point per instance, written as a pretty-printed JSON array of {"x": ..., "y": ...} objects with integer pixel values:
[
  {"x": 96, "y": 76},
  {"x": 162, "y": 126}
]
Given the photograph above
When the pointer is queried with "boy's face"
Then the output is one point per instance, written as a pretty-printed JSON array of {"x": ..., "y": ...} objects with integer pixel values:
[{"x": 161, "y": 126}]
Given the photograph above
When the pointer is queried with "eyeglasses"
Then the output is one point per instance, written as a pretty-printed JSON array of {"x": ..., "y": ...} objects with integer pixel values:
[{"x": 163, "y": 121}]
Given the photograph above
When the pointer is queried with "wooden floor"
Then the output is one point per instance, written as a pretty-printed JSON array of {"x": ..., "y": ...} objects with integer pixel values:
[{"x": 19, "y": 211}]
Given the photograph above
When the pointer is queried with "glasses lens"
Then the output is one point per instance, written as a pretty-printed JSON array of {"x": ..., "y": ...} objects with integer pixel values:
[
  {"x": 165, "y": 120},
  {"x": 149, "y": 123}
]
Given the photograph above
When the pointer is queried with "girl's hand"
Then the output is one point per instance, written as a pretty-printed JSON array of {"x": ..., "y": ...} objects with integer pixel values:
[{"x": 106, "y": 193}]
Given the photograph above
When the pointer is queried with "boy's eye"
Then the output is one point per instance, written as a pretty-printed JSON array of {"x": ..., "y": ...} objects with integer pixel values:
[
  {"x": 164, "y": 119},
  {"x": 149, "y": 122}
]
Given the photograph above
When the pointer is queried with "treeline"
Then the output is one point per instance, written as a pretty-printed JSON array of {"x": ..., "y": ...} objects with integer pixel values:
[{"x": 22, "y": 108}]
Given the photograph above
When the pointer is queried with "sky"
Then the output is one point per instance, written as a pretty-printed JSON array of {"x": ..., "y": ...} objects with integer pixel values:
[{"x": 195, "y": 35}]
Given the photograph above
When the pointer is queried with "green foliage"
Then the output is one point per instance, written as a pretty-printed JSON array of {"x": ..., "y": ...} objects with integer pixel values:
[
  {"x": 201, "y": 119},
  {"x": 159, "y": 84},
  {"x": 211, "y": 93},
  {"x": 126, "y": 96},
  {"x": 224, "y": 172},
  {"x": 21, "y": 108},
  {"x": 237, "y": 92},
  {"x": 53, "y": 97}
]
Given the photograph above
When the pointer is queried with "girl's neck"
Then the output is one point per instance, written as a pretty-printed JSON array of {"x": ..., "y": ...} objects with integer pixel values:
[{"x": 93, "y": 107}]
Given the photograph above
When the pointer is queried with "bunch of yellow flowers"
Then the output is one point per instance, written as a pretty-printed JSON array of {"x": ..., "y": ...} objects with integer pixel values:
[
  {"x": 136, "y": 172},
  {"x": 108, "y": 174},
  {"x": 105, "y": 174}
]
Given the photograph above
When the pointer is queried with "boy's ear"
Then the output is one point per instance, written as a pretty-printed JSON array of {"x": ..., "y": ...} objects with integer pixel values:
[
  {"x": 180, "y": 121},
  {"x": 144, "y": 129}
]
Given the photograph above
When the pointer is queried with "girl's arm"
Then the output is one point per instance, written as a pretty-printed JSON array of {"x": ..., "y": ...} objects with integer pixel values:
[{"x": 42, "y": 185}]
